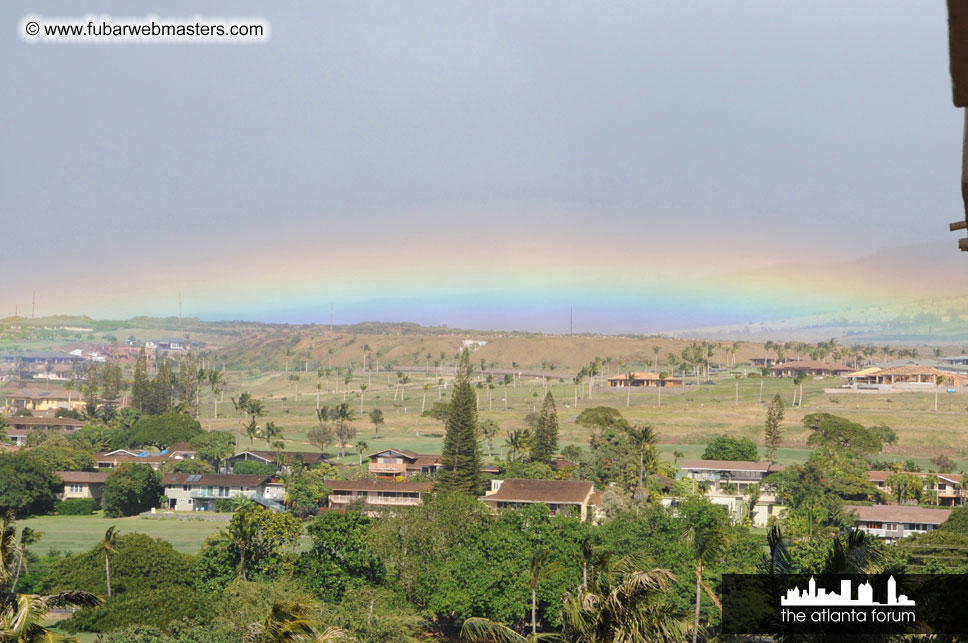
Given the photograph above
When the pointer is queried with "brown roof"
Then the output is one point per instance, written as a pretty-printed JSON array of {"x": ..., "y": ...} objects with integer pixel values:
[
  {"x": 308, "y": 457},
  {"x": 556, "y": 491},
  {"x": 221, "y": 479},
  {"x": 731, "y": 465},
  {"x": 898, "y": 513},
  {"x": 378, "y": 485},
  {"x": 82, "y": 476},
  {"x": 29, "y": 421},
  {"x": 810, "y": 365}
]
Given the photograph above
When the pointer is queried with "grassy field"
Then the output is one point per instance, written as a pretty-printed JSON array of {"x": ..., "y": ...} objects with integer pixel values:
[
  {"x": 80, "y": 533},
  {"x": 686, "y": 419}
]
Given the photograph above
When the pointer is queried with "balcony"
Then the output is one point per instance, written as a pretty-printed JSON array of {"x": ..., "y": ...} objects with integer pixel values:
[{"x": 388, "y": 468}]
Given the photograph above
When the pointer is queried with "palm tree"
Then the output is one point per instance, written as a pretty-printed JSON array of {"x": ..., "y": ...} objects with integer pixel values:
[
  {"x": 482, "y": 630},
  {"x": 707, "y": 545},
  {"x": 291, "y": 623},
  {"x": 677, "y": 455},
  {"x": 362, "y": 390},
  {"x": 644, "y": 438},
  {"x": 542, "y": 567},
  {"x": 628, "y": 388},
  {"x": 109, "y": 543},
  {"x": 517, "y": 442},
  {"x": 625, "y": 601},
  {"x": 271, "y": 432},
  {"x": 28, "y": 536},
  {"x": 361, "y": 446},
  {"x": 216, "y": 379},
  {"x": 22, "y": 614}
]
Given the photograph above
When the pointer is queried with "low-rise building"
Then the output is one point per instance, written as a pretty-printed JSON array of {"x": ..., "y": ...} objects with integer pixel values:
[
  {"x": 893, "y": 522},
  {"x": 561, "y": 496},
  {"x": 114, "y": 459},
  {"x": 650, "y": 380},
  {"x": 809, "y": 367},
  {"x": 376, "y": 494},
  {"x": 200, "y": 491},
  {"x": 718, "y": 473},
  {"x": 40, "y": 400},
  {"x": 82, "y": 484},
  {"x": 67, "y": 425},
  {"x": 400, "y": 463}
]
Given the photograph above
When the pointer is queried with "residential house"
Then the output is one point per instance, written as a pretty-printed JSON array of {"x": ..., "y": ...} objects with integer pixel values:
[
  {"x": 82, "y": 484},
  {"x": 200, "y": 491},
  {"x": 810, "y": 367},
  {"x": 40, "y": 400},
  {"x": 948, "y": 489},
  {"x": 561, "y": 496},
  {"x": 400, "y": 463},
  {"x": 307, "y": 458},
  {"x": 650, "y": 380},
  {"x": 376, "y": 494},
  {"x": 718, "y": 473},
  {"x": 893, "y": 522}
]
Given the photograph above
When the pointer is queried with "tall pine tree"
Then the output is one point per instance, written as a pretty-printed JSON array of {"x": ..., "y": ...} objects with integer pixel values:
[
  {"x": 111, "y": 386},
  {"x": 141, "y": 387},
  {"x": 91, "y": 387},
  {"x": 161, "y": 390},
  {"x": 188, "y": 384},
  {"x": 461, "y": 457},
  {"x": 544, "y": 444},
  {"x": 771, "y": 428}
]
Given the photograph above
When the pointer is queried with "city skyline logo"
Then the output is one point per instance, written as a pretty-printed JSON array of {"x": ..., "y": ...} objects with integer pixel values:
[{"x": 813, "y": 596}]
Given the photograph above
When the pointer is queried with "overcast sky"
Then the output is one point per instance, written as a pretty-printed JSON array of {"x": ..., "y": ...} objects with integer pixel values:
[{"x": 486, "y": 164}]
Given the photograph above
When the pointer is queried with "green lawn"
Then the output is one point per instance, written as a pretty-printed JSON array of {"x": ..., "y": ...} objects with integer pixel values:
[{"x": 80, "y": 533}]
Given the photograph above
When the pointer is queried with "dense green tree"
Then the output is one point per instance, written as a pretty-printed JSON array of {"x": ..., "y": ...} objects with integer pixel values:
[
  {"x": 544, "y": 439},
  {"x": 726, "y": 447},
  {"x": 772, "y": 435},
  {"x": 258, "y": 544},
  {"x": 461, "y": 458},
  {"x": 306, "y": 489},
  {"x": 27, "y": 485},
  {"x": 61, "y": 458},
  {"x": 162, "y": 431},
  {"x": 905, "y": 486},
  {"x": 957, "y": 521},
  {"x": 213, "y": 446},
  {"x": 189, "y": 383},
  {"x": 834, "y": 431},
  {"x": 340, "y": 556},
  {"x": 254, "y": 467},
  {"x": 131, "y": 489},
  {"x": 601, "y": 418}
]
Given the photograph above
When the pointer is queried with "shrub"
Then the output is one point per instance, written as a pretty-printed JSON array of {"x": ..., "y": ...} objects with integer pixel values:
[
  {"x": 76, "y": 507},
  {"x": 225, "y": 505}
]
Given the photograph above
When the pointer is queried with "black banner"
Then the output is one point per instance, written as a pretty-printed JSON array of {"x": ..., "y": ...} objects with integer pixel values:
[{"x": 849, "y": 606}]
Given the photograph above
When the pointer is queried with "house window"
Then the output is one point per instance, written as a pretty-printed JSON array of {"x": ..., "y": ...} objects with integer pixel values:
[
  {"x": 186, "y": 487},
  {"x": 76, "y": 488}
]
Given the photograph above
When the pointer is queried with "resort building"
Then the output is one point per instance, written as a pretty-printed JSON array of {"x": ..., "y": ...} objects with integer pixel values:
[{"x": 947, "y": 489}]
